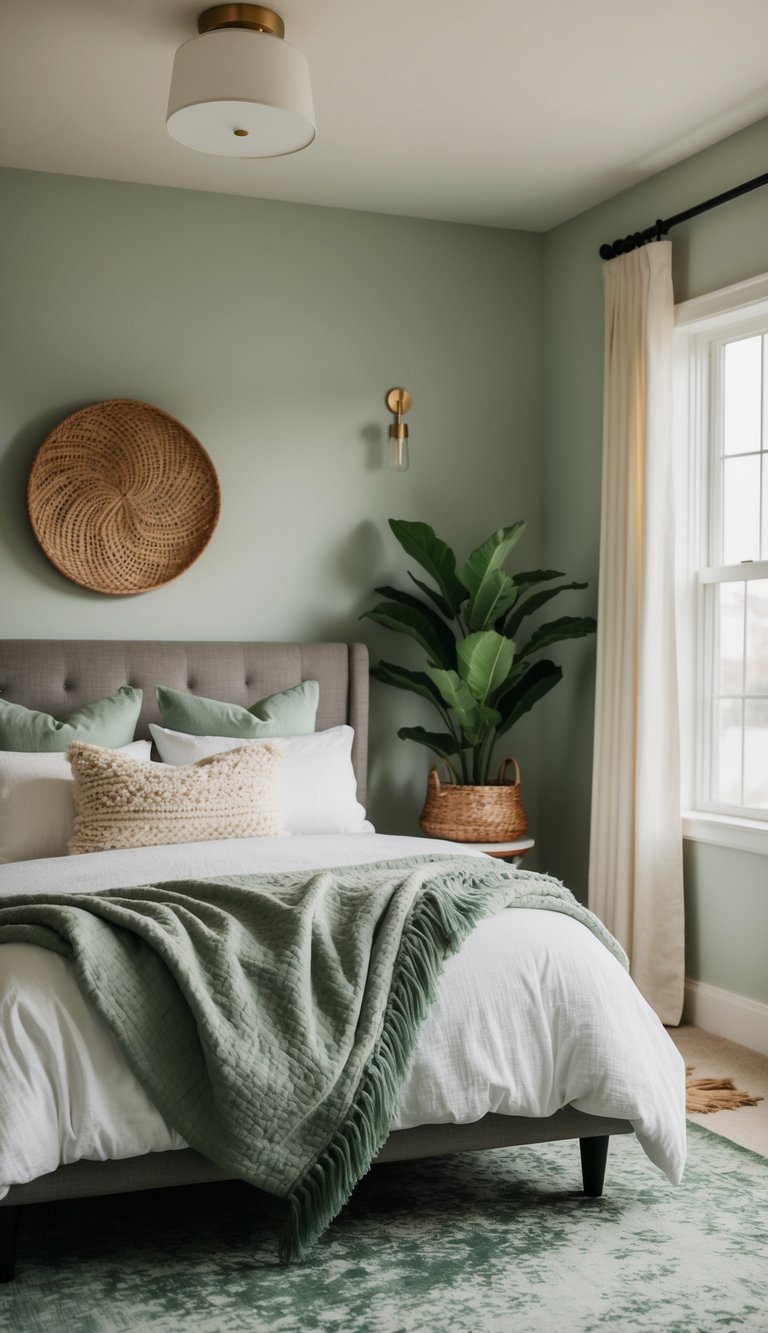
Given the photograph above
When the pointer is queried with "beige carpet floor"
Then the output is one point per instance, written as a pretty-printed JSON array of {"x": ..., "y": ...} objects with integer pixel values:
[{"x": 714, "y": 1057}]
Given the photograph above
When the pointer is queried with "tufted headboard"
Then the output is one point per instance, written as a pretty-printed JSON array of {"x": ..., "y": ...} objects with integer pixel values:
[{"x": 58, "y": 675}]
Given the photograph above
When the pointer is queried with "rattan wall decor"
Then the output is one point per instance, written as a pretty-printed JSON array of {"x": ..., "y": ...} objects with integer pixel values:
[{"x": 121, "y": 497}]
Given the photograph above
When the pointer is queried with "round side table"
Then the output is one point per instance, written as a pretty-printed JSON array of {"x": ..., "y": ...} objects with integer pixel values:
[{"x": 506, "y": 851}]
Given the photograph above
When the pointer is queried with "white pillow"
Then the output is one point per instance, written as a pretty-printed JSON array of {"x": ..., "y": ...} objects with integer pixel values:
[
  {"x": 37, "y": 802},
  {"x": 318, "y": 788}
]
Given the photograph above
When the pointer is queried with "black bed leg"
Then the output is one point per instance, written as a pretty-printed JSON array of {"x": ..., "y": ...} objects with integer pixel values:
[
  {"x": 9, "y": 1229},
  {"x": 594, "y": 1155}
]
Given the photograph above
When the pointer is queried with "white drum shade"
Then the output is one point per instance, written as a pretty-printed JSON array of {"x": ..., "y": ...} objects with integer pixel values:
[{"x": 239, "y": 93}]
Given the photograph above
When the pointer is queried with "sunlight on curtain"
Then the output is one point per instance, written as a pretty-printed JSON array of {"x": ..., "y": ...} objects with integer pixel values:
[{"x": 636, "y": 869}]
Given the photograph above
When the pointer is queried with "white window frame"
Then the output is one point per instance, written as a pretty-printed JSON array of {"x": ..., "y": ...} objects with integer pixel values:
[{"x": 702, "y": 325}]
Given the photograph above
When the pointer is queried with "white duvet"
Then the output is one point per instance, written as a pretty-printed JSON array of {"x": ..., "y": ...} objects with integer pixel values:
[{"x": 533, "y": 1014}]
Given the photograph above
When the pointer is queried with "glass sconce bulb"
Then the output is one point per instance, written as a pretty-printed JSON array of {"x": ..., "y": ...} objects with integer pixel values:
[{"x": 398, "y": 454}]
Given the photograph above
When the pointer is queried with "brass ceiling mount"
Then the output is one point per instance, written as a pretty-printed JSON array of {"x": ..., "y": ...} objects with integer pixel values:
[{"x": 255, "y": 17}]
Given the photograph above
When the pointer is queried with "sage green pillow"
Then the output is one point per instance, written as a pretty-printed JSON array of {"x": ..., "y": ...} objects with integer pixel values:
[
  {"x": 110, "y": 722},
  {"x": 290, "y": 713}
]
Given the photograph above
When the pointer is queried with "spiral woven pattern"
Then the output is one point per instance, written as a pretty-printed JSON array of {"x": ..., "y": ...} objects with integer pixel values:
[{"x": 122, "y": 498}]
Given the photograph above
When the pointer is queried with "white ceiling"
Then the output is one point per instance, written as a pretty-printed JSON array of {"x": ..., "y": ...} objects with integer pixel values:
[{"x": 511, "y": 113}]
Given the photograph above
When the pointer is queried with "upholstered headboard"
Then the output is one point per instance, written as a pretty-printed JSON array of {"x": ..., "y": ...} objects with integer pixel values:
[{"x": 57, "y": 675}]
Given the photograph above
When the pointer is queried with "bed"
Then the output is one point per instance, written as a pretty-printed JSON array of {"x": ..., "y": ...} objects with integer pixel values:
[{"x": 566, "y": 1072}]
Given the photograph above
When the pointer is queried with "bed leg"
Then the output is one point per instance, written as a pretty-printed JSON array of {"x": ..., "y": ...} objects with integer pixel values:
[
  {"x": 594, "y": 1154},
  {"x": 9, "y": 1229}
]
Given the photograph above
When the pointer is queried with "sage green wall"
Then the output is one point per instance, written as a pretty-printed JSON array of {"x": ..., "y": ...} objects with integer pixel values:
[
  {"x": 725, "y": 919},
  {"x": 273, "y": 332},
  {"x": 719, "y": 248}
]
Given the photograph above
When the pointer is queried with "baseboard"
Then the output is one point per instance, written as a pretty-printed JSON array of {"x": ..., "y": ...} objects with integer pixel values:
[{"x": 727, "y": 1015}]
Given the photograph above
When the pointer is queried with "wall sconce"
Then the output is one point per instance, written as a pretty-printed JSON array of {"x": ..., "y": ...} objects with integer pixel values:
[{"x": 399, "y": 402}]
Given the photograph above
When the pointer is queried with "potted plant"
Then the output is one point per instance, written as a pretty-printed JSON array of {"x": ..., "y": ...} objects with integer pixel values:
[{"x": 477, "y": 678}]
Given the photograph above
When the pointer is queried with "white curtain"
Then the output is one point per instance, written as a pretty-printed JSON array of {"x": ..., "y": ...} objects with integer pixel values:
[{"x": 636, "y": 871}]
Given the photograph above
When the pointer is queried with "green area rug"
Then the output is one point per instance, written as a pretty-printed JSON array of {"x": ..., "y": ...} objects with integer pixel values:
[{"x": 482, "y": 1242}]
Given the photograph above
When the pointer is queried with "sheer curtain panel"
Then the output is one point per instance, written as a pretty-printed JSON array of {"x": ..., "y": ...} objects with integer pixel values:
[{"x": 636, "y": 849}]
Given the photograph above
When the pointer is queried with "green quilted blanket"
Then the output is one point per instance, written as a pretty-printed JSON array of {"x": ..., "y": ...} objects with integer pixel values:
[{"x": 272, "y": 1018}]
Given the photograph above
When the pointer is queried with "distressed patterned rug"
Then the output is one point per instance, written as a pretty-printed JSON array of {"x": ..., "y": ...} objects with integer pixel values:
[{"x": 496, "y": 1241}]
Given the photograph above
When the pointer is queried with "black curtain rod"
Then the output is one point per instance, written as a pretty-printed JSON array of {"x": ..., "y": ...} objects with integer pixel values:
[{"x": 662, "y": 226}]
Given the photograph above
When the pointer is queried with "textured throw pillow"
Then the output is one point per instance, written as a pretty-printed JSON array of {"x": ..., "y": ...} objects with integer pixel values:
[
  {"x": 123, "y": 804},
  {"x": 318, "y": 788},
  {"x": 290, "y": 713},
  {"x": 37, "y": 802},
  {"x": 109, "y": 722}
]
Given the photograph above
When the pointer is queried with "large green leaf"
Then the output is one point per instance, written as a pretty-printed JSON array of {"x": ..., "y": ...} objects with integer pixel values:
[
  {"x": 421, "y": 541},
  {"x": 438, "y": 644},
  {"x": 417, "y": 682},
  {"x": 537, "y": 681},
  {"x": 444, "y": 632},
  {"x": 484, "y": 661},
  {"x": 530, "y": 578},
  {"x": 535, "y": 603},
  {"x": 491, "y": 556},
  {"x": 441, "y": 743},
  {"x": 453, "y": 691},
  {"x": 495, "y": 596},
  {"x": 436, "y": 597},
  {"x": 474, "y": 718},
  {"x": 487, "y": 720},
  {"x": 567, "y": 627}
]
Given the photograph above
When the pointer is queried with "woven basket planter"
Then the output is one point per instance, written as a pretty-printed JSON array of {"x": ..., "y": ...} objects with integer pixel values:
[{"x": 493, "y": 813}]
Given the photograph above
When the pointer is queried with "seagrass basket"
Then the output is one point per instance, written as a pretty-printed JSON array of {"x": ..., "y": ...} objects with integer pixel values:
[
  {"x": 122, "y": 497},
  {"x": 493, "y": 813}
]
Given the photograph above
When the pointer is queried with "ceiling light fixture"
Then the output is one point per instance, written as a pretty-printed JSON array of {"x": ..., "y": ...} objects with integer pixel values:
[{"x": 239, "y": 89}]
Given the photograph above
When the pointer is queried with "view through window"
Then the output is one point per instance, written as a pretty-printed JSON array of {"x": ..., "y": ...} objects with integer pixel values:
[{"x": 735, "y": 580}]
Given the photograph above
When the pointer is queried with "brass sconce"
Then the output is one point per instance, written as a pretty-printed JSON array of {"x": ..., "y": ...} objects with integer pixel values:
[{"x": 399, "y": 402}]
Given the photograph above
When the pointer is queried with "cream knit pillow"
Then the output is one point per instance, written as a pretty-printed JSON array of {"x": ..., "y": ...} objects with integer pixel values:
[{"x": 122, "y": 803}]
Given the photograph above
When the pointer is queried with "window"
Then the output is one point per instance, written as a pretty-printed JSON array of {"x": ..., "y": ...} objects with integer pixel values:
[{"x": 722, "y": 407}]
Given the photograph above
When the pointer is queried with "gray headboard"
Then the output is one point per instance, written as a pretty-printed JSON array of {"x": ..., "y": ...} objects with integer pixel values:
[{"x": 57, "y": 675}]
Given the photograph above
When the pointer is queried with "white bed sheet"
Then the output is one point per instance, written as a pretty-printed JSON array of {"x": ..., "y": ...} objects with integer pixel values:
[{"x": 533, "y": 1014}]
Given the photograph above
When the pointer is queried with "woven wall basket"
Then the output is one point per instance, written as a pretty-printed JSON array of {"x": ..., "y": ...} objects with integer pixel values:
[
  {"x": 493, "y": 813},
  {"x": 122, "y": 498}
]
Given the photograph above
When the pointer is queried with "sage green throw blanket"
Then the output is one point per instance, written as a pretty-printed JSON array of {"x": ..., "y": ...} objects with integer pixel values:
[{"x": 272, "y": 1018}]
